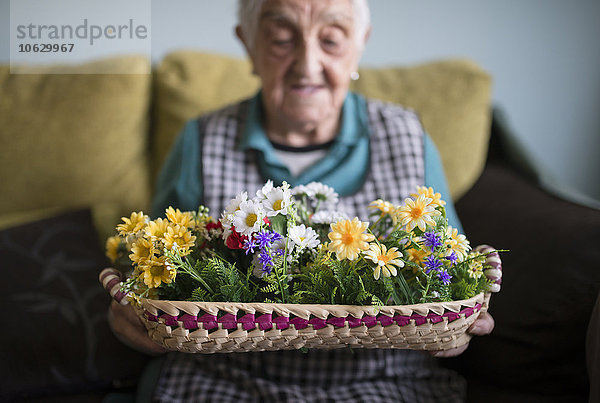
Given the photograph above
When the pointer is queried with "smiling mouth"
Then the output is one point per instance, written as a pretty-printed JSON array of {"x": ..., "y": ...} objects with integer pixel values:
[{"x": 306, "y": 89}]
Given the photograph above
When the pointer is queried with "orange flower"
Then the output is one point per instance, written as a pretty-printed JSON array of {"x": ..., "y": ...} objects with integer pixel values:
[
  {"x": 385, "y": 260},
  {"x": 416, "y": 213},
  {"x": 349, "y": 238}
]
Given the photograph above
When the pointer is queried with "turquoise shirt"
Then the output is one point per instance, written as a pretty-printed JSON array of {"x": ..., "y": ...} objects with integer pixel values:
[{"x": 180, "y": 183}]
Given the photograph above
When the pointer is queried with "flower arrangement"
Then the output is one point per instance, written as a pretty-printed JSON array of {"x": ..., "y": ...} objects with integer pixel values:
[{"x": 294, "y": 245}]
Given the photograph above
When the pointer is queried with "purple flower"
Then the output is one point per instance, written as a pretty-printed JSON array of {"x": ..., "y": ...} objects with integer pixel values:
[
  {"x": 452, "y": 258},
  {"x": 432, "y": 263},
  {"x": 444, "y": 276},
  {"x": 265, "y": 259},
  {"x": 432, "y": 240},
  {"x": 266, "y": 238},
  {"x": 275, "y": 236},
  {"x": 263, "y": 238},
  {"x": 250, "y": 245}
]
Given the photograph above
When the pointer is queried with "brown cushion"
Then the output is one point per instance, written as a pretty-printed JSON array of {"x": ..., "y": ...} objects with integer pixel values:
[{"x": 74, "y": 139}]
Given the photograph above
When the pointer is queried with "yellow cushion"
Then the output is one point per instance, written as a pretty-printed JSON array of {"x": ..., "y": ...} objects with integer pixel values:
[
  {"x": 452, "y": 97},
  {"x": 72, "y": 140},
  {"x": 188, "y": 84}
]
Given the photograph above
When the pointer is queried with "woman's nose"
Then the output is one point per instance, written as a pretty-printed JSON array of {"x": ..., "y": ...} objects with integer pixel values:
[{"x": 308, "y": 59}]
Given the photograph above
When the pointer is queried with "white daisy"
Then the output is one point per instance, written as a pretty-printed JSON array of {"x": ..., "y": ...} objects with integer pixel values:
[
  {"x": 265, "y": 190},
  {"x": 231, "y": 208},
  {"x": 322, "y": 192},
  {"x": 328, "y": 217},
  {"x": 300, "y": 191},
  {"x": 303, "y": 237},
  {"x": 226, "y": 222},
  {"x": 277, "y": 201},
  {"x": 248, "y": 218},
  {"x": 457, "y": 242}
]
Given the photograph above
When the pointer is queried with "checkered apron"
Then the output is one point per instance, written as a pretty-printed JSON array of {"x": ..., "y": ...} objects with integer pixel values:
[{"x": 343, "y": 375}]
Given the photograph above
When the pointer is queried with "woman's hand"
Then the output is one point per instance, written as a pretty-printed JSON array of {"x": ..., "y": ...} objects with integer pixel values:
[
  {"x": 123, "y": 321},
  {"x": 484, "y": 323},
  {"x": 482, "y": 326},
  {"x": 130, "y": 330}
]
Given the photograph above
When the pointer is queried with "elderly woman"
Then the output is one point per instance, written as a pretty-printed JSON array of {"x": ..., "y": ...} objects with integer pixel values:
[{"x": 302, "y": 126}]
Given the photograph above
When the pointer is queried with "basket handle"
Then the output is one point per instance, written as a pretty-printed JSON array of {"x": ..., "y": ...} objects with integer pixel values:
[
  {"x": 111, "y": 281},
  {"x": 494, "y": 271}
]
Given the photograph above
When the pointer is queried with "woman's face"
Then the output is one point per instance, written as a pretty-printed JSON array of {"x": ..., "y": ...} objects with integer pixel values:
[{"x": 304, "y": 53}]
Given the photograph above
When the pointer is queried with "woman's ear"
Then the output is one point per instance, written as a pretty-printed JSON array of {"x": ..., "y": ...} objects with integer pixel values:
[
  {"x": 240, "y": 34},
  {"x": 361, "y": 48},
  {"x": 367, "y": 36}
]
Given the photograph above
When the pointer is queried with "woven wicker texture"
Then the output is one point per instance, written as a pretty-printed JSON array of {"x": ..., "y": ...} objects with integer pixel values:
[{"x": 210, "y": 327}]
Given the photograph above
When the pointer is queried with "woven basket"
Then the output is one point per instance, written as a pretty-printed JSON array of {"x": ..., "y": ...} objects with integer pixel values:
[{"x": 222, "y": 327}]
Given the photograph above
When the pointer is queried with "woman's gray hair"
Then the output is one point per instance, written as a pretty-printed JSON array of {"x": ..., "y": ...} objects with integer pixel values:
[{"x": 249, "y": 14}]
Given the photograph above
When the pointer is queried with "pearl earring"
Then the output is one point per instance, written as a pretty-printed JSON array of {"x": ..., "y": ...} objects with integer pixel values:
[{"x": 354, "y": 76}]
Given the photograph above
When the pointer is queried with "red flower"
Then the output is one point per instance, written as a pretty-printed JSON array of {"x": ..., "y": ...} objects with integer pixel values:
[
  {"x": 214, "y": 225},
  {"x": 235, "y": 240}
]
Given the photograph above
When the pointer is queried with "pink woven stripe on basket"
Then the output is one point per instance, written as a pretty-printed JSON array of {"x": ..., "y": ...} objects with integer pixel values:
[
  {"x": 267, "y": 322},
  {"x": 111, "y": 281},
  {"x": 211, "y": 327}
]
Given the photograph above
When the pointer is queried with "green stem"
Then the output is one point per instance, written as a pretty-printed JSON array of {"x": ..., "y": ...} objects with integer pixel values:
[
  {"x": 199, "y": 279},
  {"x": 390, "y": 285},
  {"x": 318, "y": 205},
  {"x": 185, "y": 266},
  {"x": 428, "y": 277},
  {"x": 279, "y": 283},
  {"x": 404, "y": 287}
]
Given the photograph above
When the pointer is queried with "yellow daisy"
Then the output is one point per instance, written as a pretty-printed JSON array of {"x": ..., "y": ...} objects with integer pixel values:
[
  {"x": 180, "y": 236},
  {"x": 112, "y": 247},
  {"x": 133, "y": 224},
  {"x": 416, "y": 256},
  {"x": 185, "y": 219},
  {"x": 384, "y": 206},
  {"x": 457, "y": 242},
  {"x": 156, "y": 229},
  {"x": 416, "y": 213},
  {"x": 156, "y": 271},
  {"x": 476, "y": 265},
  {"x": 142, "y": 250},
  {"x": 349, "y": 238},
  {"x": 436, "y": 198},
  {"x": 134, "y": 299},
  {"x": 385, "y": 260}
]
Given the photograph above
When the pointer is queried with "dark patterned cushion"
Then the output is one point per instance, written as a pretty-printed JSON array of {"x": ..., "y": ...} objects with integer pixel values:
[{"x": 55, "y": 336}]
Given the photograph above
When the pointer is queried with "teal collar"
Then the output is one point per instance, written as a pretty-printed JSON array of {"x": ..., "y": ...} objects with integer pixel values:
[
  {"x": 348, "y": 153},
  {"x": 353, "y": 126}
]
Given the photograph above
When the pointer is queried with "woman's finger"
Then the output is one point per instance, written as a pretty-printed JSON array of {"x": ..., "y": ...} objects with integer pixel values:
[
  {"x": 450, "y": 353},
  {"x": 482, "y": 326},
  {"x": 130, "y": 330}
]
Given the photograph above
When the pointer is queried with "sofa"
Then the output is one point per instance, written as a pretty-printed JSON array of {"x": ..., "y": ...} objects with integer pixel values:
[{"x": 81, "y": 150}]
